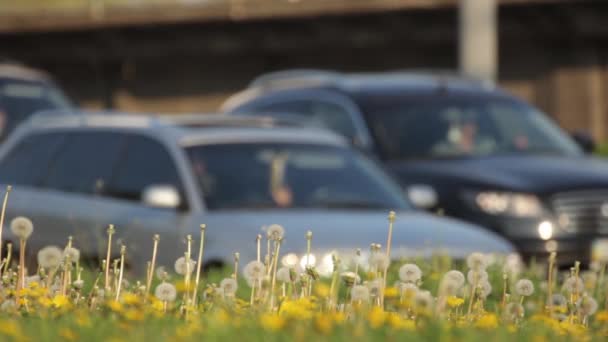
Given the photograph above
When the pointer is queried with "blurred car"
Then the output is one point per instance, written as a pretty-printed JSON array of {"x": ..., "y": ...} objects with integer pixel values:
[
  {"x": 74, "y": 175},
  {"x": 457, "y": 145},
  {"x": 23, "y": 92}
]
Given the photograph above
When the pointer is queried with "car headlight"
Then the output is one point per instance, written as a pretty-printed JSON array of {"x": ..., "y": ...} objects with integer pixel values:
[{"x": 508, "y": 203}]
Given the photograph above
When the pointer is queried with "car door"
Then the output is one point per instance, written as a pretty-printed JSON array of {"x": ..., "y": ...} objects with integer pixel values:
[{"x": 147, "y": 162}]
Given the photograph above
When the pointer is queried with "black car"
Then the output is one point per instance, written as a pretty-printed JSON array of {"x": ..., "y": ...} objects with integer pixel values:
[
  {"x": 459, "y": 146},
  {"x": 25, "y": 91}
]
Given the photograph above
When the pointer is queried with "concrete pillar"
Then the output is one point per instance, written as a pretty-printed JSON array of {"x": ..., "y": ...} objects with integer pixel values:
[{"x": 478, "y": 38}]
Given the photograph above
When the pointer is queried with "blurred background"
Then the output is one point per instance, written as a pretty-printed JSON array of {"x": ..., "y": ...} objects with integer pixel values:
[{"x": 189, "y": 55}]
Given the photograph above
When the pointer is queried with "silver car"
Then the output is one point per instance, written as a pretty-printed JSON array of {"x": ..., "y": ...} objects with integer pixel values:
[{"x": 74, "y": 175}]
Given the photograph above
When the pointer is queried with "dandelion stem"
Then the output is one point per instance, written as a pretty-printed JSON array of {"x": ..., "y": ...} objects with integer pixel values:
[
  {"x": 274, "y": 273},
  {"x": 8, "y": 191},
  {"x": 9, "y": 255},
  {"x": 550, "y": 282},
  {"x": 21, "y": 282},
  {"x": 152, "y": 264},
  {"x": 200, "y": 262},
  {"x": 258, "y": 241},
  {"x": 123, "y": 250},
  {"x": 107, "y": 275}
]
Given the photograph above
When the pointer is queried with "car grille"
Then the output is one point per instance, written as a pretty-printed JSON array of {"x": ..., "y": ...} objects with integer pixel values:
[{"x": 582, "y": 211}]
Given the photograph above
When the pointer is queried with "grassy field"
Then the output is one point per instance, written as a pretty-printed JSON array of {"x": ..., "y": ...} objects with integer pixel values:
[{"x": 275, "y": 298}]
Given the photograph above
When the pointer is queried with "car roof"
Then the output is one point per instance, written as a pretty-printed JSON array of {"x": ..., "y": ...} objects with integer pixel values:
[
  {"x": 407, "y": 82},
  {"x": 16, "y": 71},
  {"x": 191, "y": 129}
]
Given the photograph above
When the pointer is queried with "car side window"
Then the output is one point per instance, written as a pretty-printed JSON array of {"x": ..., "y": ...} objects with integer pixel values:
[
  {"x": 146, "y": 162},
  {"x": 28, "y": 160},
  {"x": 86, "y": 162},
  {"x": 320, "y": 113}
]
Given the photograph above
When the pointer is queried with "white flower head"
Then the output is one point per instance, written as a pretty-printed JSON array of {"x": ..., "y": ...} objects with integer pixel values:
[
  {"x": 600, "y": 251},
  {"x": 485, "y": 288},
  {"x": 22, "y": 227},
  {"x": 380, "y": 261},
  {"x": 455, "y": 276},
  {"x": 587, "y": 305},
  {"x": 514, "y": 311},
  {"x": 513, "y": 265},
  {"x": 477, "y": 276},
  {"x": 283, "y": 275},
  {"x": 254, "y": 271},
  {"x": 424, "y": 301},
  {"x": 375, "y": 287},
  {"x": 49, "y": 257},
  {"x": 275, "y": 232},
  {"x": 477, "y": 261},
  {"x": 558, "y": 300},
  {"x": 408, "y": 289},
  {"x": 165, "y": 292},
  {"x": 359, "y": 293},
  {"x": 181, "y": 267},
  {"x": 410, "y": 273},
  {"x": 229, "y": 286},
  {"x": 78, "y": 284},
  {"x": 161, "y": 273},
  {"x": 449, "y": 287},
  {"x": 72, "y": 253},
  {"x": 573, "y": 284},
  {"x": 524, "y": 287},
  {"x": 350, "y": 278}
]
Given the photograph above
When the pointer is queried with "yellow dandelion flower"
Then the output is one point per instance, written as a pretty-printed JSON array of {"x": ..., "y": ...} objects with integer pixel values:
[
  {"x": 272, "y": 322},
  {"x": 157, "y": 305},
  {"x": 487, "y": 321},
  {"x": 602, "y": 316},
  {"x": 83, "y": 320},
  {"x": 454, "y": 302},
  {"x": 297, "y": 309},
  {"x": 397, "y": 322},
  {"x": 115, "y": 306},
  {"x": 60, "y": 302},
  {"x": 24, "y": 292},
  {"x": 324, "y": 324},
  {"x": 68, "y": 334},
  {"x": 376, "y": 317},
  {"x": 10, "y": 328},
  {"x": 134, "y": 315},
  {"x": 130, "y": 298},
  {"x": 45, "y": 302}
]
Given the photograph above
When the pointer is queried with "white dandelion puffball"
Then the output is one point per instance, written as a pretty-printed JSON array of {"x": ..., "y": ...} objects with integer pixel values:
[
  {"x": 410, "y": 273},
  {"x": 423, "y": 300},
  {"x": 254, "y": 271},
  {"x": 600, "y": 252},
  {"x": 524, "y": 287},
  {"x": 514, "y": 311},
  {"x": 229, "y": 286},
  {"x": 283, "y": 275},
  {"x": 375, "y": 287},
  {"x": 587, "y": 305},
  {"x": 558, "y": 300},
  {"x": 359, "y": 293},
  {"x": 449, "y": 287},
  {"x": 72, "y": 253},
  {"x": 486, "y": 289},
  {"x": 455, "y": 276},
  {"x": 78, "y": 284},
  {"x": 50, "y": 257},
  {"x": 380, "y": 261},
  {"x": 181, "y": 267},
  {"x": 477, "y": 277},
  {"x": 275, "y": 232},
  {"x": 165, "y": 292},
  {"x": 574, "y": 284},
  {"x": 22, "y": 227},
  {"x": 161, "y": 273},
  {"x": 477, "y": 261},
  {"x": 350, "y": 278},
  {"x": 513, "y": 265}
]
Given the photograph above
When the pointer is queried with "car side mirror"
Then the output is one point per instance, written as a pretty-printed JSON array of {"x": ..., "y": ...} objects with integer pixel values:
[
  {"x": 161, "y": 196},
  {"x": 585, "y": 141}
]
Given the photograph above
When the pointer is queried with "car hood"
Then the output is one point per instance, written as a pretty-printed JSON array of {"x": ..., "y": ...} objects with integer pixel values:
[
  {"x": 538, "y": 174},
  {"x": 414, "y": 233}
]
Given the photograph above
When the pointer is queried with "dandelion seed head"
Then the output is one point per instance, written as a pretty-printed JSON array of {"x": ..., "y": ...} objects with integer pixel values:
[
  {"x": 485, "y": 289},
  {"x": 524, "y": 287},
  {"x": 410, "y": 273},
  {"x": 587, "y": 305},
  {"x": 514, "y": 311},
  {"x": 229, "y": 286},
  {"x": 182, "y": 267},
  {"x": 359, "y": 293},
  {"x": 72, "y": 253},
  {"x": 455, "y": 276},
  {"x": 477, "y": 261},
  {"x": 22, "y": 227},
  {"x": 477, "y": 276},
  {"x": 275, "y": 232},
  {"x": 380, "y": 261},
  {"x": 375, "y": 287},
  {"x": 254, "y": 271},
  {"x": 49, "y": 257},
  {"x": 165, "y": 292},
  {"x": 573, "y": 284}
]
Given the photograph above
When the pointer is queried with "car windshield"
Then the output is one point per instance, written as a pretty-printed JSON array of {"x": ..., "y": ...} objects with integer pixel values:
[
  {"x": 270, "y": 175},
  {"x": 19, "y": 99},
  {"x": 444, "y": 127}
]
